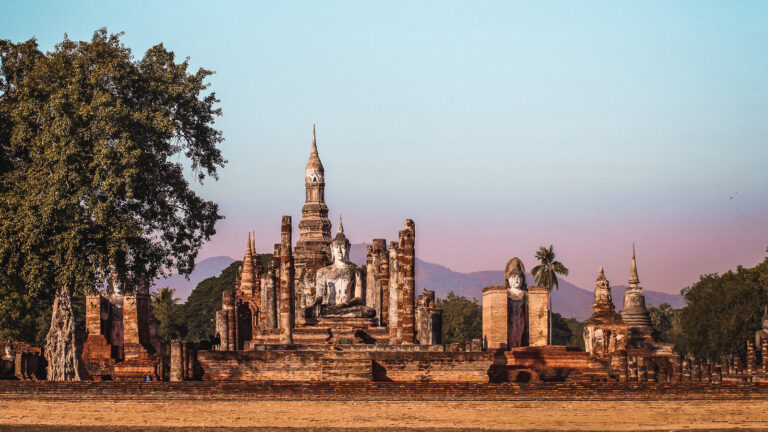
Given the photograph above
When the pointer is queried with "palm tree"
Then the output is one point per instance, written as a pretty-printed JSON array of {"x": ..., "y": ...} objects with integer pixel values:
[
  {"x": 164, "y": 296},
  {"x": 545, "y": 275},
  {"x": 167, "y": 310}
]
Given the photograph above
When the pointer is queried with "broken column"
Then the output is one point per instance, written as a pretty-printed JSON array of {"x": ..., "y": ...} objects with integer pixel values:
[
  {"x": 394, "y": 293},
  {"x": 429, "y": 320},
  {"x": 764, "y": 350},
  {"x": 377, "y": 279},
  {"x": 538, "y": 316},
  {"x": 269, "y": 287},
  {"x": 177, "y": 361},
  {"x": 751, "y": 359},
  {"x": 406, "y": 264},
  {"x": 286, "y": 305}
]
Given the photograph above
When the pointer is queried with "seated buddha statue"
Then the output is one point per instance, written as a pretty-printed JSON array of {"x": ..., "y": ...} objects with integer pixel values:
[
  {"x": 339, "y": 287},
  {"x": 762, "y": 334}
]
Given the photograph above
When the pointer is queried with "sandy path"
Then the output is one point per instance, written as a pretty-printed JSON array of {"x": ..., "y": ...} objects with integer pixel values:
[{"x": 518, "y": 415}]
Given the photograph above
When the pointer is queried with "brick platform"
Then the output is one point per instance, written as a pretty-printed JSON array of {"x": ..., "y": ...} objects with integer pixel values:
[{"x": 292, "y": 391}]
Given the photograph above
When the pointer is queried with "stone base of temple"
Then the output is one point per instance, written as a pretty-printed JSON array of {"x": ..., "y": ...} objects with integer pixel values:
[
  {"x": 98, "y": 358},
  {"x": 137, "y": 369},
  {"x": 326, "y": 331},
  {"x": 345, "y": 363},
  {"x": 547, "y": 363}
]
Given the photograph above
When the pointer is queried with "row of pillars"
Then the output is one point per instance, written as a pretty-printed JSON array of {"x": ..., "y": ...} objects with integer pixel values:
[
  {"x": 691, "y": 370},
  {"x": 183, "y": 356}
]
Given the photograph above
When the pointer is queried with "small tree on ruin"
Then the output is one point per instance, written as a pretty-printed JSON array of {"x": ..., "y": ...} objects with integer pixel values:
[{"x": 91, "y": 179}]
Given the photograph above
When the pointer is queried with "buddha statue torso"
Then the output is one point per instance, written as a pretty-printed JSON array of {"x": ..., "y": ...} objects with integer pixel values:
[{"x": 339, "y": 287}]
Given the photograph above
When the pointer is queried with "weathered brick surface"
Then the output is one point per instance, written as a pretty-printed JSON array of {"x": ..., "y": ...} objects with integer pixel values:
[
  {"x": 538, "y": 316},
  {"x": 413, "y": 391},
  {"x": 330, "y": 364},
  {"x": 495, "y": 317}
]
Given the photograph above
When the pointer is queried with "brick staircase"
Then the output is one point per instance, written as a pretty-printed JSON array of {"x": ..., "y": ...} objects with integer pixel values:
[{"x": 347, "y": 367}]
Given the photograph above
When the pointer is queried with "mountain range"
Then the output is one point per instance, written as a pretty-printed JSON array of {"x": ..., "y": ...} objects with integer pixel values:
[{"x": 569, "y": 300}]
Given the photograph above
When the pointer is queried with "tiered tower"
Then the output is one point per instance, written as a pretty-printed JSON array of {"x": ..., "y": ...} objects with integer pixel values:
[
  {"x": 635, "y": 313},
  {"x": 314, "y": 227}
]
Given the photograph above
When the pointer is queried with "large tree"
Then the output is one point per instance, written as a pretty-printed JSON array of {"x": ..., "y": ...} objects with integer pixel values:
[
  {"x": 545, "y": 274},
  {"x": 722, "y": 312},
  {"x": 91, "y": 176},
  {"x": 462, "y": 318}
]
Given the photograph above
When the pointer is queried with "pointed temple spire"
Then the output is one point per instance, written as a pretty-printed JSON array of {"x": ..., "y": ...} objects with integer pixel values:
[
  {"x": 314, "y": 140},
  {"x": 247, "y": 271},
  {"x": 633, "y": 279}
]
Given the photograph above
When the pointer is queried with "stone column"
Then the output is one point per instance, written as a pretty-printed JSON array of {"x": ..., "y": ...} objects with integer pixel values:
[
  {"x": 383, "y": 280},
  {"x": 495, "y": 317},
  {"x": 406, "y": 256},
  {"x": 394, "y": 297},
  {"x": 623, "y": 367},
  {"x": 651, "y": 369},
  {"x": 229, "y": 338},
  {"x": 661, "y": 375},
  {"x": 538, "y": 316},
  {"x": 751, "y": 359},
  {"x": 189, "y": 360},
  {"x": 686, "y": 371},
  {"x": 677, "y": 368},
  {"x": 177, "y": 361},
  {"x": 376, "y": 257},
  {"x": 93, "y": 324},
  {"x": 270, "y": 285},
  {"x": 764, "y": 350},
  {"x": 286, "y": 305},
  {"x": 642, "y": 371},
  {"x": 695, "y": 370},
  {"x": 706, "y": 372},
  {"x": 632, "y": 368},
  {"x": 222, "y": 329},
  {"x": 717, "y": 376}
]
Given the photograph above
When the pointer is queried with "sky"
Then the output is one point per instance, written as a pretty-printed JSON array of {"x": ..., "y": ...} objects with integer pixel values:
[{"x": 498, "y": 127}]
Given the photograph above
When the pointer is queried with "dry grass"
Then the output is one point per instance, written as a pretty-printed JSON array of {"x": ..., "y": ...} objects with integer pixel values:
[{"x": 34, "y": 414}]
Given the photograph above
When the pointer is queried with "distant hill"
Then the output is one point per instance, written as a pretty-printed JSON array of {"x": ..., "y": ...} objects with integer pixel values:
[
  {"x": 570, "y": 301},
  {"x": 204, "y": 269}
]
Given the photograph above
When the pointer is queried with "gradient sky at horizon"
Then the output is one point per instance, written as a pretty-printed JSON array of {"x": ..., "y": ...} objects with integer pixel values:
[{"x": 497, "y": 126}]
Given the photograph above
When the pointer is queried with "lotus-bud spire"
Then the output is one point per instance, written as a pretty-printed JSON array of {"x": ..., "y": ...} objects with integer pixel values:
[{"x": 633, "y": 279}]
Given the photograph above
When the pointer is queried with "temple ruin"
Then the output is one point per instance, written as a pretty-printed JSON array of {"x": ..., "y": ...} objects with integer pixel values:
[{"x": 309, "y": 314}]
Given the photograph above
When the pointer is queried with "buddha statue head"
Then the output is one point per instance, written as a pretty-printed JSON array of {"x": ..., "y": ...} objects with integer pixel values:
[
  {"x": 340, "y": 246},
  {"x": 514, "y": 276}
]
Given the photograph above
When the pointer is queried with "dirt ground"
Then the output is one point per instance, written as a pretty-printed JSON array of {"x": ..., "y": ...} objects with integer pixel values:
[{"x": 114, "y": 415}]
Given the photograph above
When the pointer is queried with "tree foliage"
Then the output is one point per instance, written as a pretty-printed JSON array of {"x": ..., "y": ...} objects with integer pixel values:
[
  {"x": 462, "y": 318},
  {"x": 200, "y": 309},
  {"x": 545, "y": 274},
  {"x": 167, "y": 310},
  {"x": 722, "y": 312},
  {"x": 91, "y": 181},
  {"x": 567, "y": 331},
  {"x": 91, "y": 178}
]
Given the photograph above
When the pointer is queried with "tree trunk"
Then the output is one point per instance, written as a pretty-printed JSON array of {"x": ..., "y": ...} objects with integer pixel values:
[{"x": 61, "y": 350}]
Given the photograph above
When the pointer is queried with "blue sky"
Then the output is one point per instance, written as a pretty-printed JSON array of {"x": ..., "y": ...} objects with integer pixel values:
[{"x": 497, "y": 126}]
